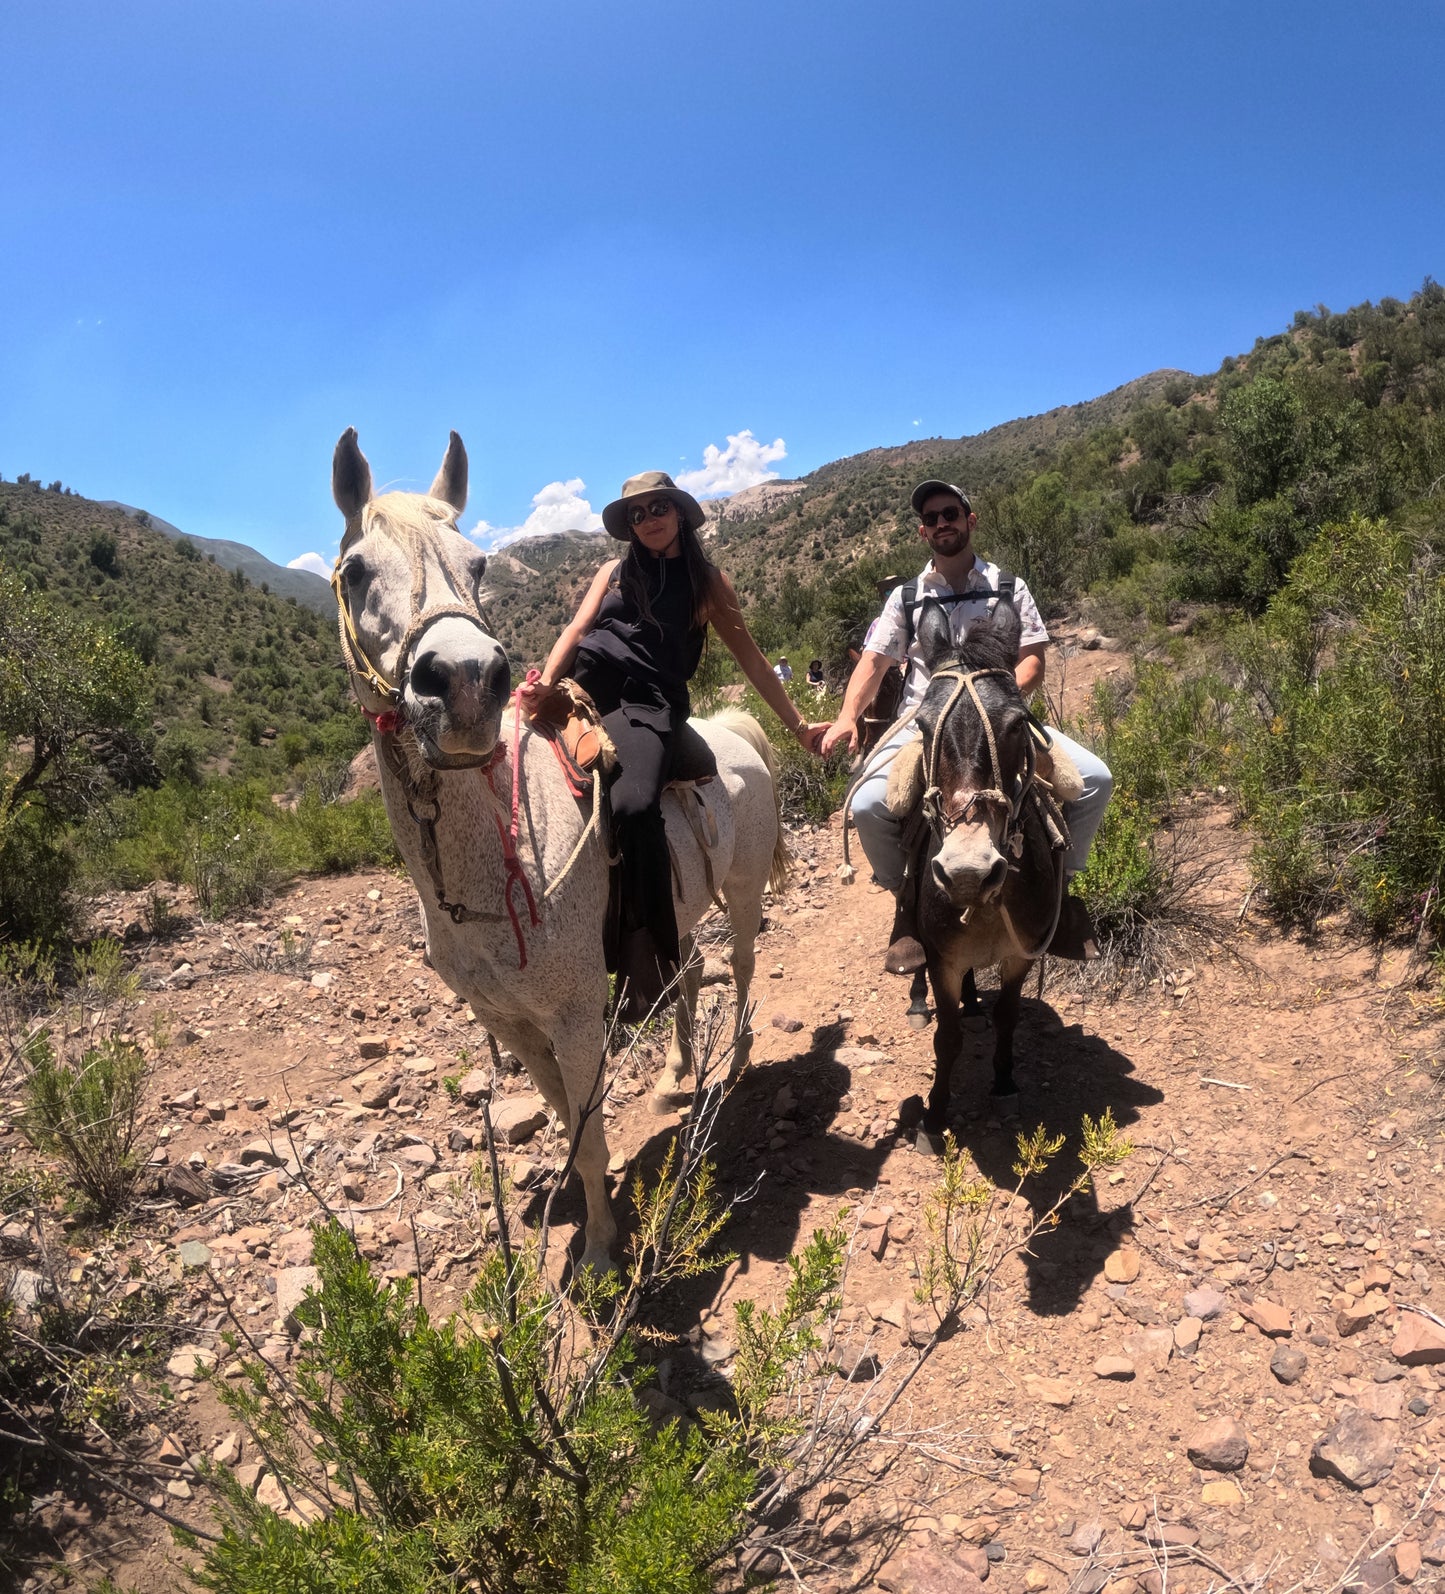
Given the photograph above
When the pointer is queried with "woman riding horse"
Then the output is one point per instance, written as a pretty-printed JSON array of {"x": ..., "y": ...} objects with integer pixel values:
[{"x": 634, "y": 644}]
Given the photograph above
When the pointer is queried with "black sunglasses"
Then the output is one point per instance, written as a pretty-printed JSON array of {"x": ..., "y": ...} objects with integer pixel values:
[
  {"x": 653, "y": 511},
  {"x": 932, "y": 516}
]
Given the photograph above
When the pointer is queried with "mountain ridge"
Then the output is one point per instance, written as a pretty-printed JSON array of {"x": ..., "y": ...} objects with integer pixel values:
[{"x": 303, "y": 585}]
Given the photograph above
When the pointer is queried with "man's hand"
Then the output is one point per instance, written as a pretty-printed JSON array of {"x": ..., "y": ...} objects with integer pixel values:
[{"x": 838, "y": 732}]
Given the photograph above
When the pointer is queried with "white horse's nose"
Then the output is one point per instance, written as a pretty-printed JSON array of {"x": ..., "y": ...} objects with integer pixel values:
[{"x": 457, "y": 685}]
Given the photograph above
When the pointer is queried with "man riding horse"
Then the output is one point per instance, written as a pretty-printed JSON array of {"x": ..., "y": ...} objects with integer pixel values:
[{"x": 969, "y": 588}]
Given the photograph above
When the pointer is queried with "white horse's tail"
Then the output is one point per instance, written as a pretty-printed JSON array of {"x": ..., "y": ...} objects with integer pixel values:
[{"x": 744, "y": 725}]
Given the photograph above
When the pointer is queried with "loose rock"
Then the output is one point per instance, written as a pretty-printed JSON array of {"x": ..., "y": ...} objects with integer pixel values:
[
  {"x": 1122, "y": 1266},
  {"x": 1358, "y": 1450},
  {"x": 517, "y": 1120},
  {"x": 190, "y": 1361},
  {"x": 1288, "y": 1364},
  {"x": 1418, "y": 1342},
  {"x": 1220, "y": 1446}
]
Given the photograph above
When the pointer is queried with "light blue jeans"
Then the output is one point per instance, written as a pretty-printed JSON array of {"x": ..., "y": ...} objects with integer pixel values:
[{"x": 882, "y": 834}]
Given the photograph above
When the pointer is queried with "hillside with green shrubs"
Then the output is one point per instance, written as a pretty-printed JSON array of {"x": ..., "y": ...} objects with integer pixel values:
[{"x": 150, "y": 699}]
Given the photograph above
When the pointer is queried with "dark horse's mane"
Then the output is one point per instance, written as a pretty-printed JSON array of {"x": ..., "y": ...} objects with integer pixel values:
[{"x": 985, "y": 649}]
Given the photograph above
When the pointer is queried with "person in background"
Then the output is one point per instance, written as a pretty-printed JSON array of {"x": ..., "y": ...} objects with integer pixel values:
[
  {"x": 782, "y": 669},
  {"x": 634, "y": 644},
  {"x": 815, "y": 677}
]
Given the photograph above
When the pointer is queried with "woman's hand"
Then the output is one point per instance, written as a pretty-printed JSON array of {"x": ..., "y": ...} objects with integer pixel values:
[
  {"x": 811, "y": 737},
  {"x": 532, "y": 693}
]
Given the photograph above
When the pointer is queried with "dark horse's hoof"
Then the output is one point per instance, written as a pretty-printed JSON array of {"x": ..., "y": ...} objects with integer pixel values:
[
  {"x": 1005, "y": 1105},
  {"x": 929, "y": 1142}
]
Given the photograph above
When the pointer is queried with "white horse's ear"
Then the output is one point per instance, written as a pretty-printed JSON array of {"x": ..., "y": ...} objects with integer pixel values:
[
  {"x": 935, "y": 640},
  {"x": 350, "y": 475},
  {"x": 451, "y": 483}
]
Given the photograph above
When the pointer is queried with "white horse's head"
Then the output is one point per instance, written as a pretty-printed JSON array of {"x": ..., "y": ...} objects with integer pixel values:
[{"x": 412, "y": 627}]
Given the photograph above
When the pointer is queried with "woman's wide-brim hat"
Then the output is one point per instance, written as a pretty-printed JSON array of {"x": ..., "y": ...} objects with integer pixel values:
[{"x": 650, "y": 484}]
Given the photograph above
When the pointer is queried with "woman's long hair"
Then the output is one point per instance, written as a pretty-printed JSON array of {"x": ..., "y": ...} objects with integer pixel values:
[{"x": 695, "y": 562}]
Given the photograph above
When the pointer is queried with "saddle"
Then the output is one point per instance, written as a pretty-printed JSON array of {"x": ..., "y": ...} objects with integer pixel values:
[{"x": 568, "y": 717}]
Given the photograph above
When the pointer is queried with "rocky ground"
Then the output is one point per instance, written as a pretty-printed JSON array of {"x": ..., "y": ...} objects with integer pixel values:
[
  {"x": 1220, "y": 1365},
  {"x": 1213, "y": 1357}
]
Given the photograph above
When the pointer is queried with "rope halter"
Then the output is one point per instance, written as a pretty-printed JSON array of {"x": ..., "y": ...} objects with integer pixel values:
[{"x": 935, "y": 808}]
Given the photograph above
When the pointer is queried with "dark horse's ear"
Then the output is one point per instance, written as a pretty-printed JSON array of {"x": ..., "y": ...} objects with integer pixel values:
[
  {"x": 935, "y": 640},
  {"x": 1007, "y": 626},
  {"x": 350, "y": 476},
  {"x": 451, "y": 482}
]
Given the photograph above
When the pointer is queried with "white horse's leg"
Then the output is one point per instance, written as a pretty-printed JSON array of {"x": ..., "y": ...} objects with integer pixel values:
[
  {"x": 569, "y": 1074},
  {"x": 745, "y": 914},
  {"x": 580, "y": 1051},
  {"x": 668, "y": 1093}
]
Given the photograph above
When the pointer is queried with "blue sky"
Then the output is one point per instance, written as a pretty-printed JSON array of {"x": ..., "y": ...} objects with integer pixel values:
[{"x": 599, "y": 238}]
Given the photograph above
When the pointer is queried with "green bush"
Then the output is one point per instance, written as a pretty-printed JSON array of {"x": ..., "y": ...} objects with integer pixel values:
[
  {"x": 1341, "y": 763},
  {"x": 233, "y": 845},
  {"x": 504, "y": 1449},
  {"x": 37, "y": 871},
  {"x": 84, "y": 1083}
]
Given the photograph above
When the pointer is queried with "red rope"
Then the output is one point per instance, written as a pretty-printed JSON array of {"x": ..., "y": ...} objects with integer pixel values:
[{"x": 508, "y": 835}]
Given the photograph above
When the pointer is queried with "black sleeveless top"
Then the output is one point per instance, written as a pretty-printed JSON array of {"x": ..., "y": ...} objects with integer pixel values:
[{"x": 628, "y": 660}]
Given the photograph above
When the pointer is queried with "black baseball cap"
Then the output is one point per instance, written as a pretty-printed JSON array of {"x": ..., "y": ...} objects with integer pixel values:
[{"x": 925, "y": 490}]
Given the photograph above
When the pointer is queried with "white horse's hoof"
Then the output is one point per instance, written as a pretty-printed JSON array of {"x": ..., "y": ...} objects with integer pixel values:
[
  {"x": 663, "y": 1103},
  {"x": 598, "y": 1259}
]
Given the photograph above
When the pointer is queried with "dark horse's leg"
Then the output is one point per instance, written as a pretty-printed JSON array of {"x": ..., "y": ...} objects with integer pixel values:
[
  {"x": 947, "y": 1042},
  {"x": 969, "y": 1001},
  {"x": 918, "y": 1000},
  {"x": 1012, "y": 973}
]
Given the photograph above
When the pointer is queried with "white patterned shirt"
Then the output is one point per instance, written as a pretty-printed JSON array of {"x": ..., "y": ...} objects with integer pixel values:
[{"x": 889, "y": 632}]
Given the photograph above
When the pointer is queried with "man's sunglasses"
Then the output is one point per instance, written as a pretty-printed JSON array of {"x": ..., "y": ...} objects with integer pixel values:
[
  {"x": 653, "y": 511},
  {"x": 932, "y": 517}
]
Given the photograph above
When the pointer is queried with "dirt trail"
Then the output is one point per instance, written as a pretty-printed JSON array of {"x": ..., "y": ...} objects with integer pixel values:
[{"x": 1248, "y": 1263}]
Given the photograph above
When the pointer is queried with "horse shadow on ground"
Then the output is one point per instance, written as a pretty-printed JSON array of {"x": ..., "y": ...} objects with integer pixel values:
[
  {"x": 768, "y": 1187},
  {"x": 1064, "y": 1073}
]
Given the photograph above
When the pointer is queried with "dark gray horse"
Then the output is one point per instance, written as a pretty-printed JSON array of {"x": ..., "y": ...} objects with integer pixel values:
[{"x": 989, "y": 863}]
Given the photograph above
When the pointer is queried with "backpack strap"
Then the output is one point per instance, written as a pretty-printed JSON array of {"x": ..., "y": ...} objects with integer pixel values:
[{"x": 1004, "y": 591}]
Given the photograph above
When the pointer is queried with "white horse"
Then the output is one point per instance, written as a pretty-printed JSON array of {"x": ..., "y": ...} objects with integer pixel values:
[{"x": 511, "y": 873}]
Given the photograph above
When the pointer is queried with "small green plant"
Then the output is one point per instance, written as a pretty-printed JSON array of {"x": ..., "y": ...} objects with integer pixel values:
[
  {"x": 967, "y": 1239},
  {"x": 86, "y": 1112},
  {"x": 452, "y": 1084},
  {"x": 161, "y": 917},
  {"x": 503, "y": 1448},
  {"x": 82, "y": 1079}
]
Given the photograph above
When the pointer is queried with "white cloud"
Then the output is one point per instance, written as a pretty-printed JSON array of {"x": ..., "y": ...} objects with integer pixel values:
[
  {"x": 559, "y": 506},
  {"x": 312, "y": 562},
  {"x": 743, "y": 463}
]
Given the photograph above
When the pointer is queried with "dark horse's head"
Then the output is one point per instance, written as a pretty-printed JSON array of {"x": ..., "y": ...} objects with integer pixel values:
[{"x": 976, "y": 780}]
